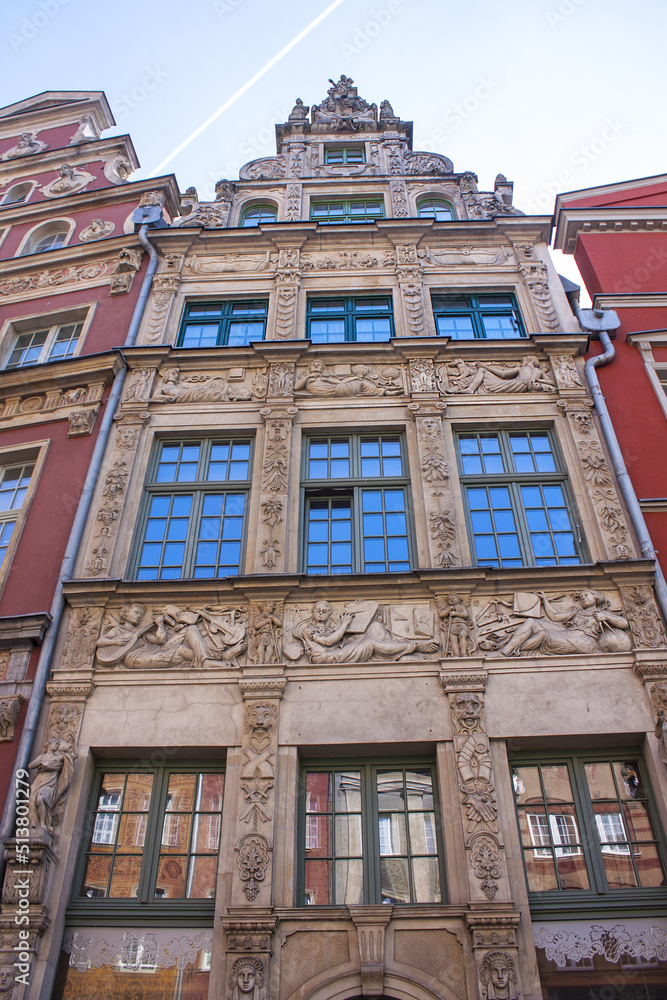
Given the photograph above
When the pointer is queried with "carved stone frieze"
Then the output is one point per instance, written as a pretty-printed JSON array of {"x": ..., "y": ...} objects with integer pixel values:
[
  {"x": 55, "y": 278},
  {"x": 345, "y": 260},
  {"x": 422, "y": 375},
  {"x": 642, "y": 613},
  {"x": 138, "y": 387},
  {"x": 492, "y": 931},
  {"x": 359, "y": 380},
  {"x": 80, "y": 421},
  {"x": 281, "y": 378},
  {"x": 358, "y": 631},
  {"x": 208, "y": 216},
  {"x": 465, "y": 255},
  {"x": 249, "y": 934},
  {"x": 457, "y": 637},
  {"x": 201, "y": 387},
  {"x": 566, "y": 372},
  {"x": 135, "y": 638},
  {"x": 228, "y": 263},
  {"x": 9, "y": 713},
  {"x": 526, "y": 624},
  {"x": 477, "y": 377},
  {"x": 266, "y": 631},
  {"x": 84, "y": 627}
]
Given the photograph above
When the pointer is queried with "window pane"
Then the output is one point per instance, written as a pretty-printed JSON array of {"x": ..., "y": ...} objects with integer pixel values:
[
  {"x": 319, "y": 882},
  {"x": 426, "y": 880},
  {"x": 349, "y": 885},
  {"x": 65, "y": 343},
  {"x": 394, "y": 880},
  {"x": 201, "y": 878}
]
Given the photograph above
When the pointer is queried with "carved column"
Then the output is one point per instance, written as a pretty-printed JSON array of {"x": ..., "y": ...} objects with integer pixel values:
[
  {"x": 249, "y": 924},
  {"x": 272, "y": 540},
  {"x": 165, "y": 286},
  {"x": 30, "y": 855},
  {"x": 437, "y": 492},
  {"x": 485, "y": 856},
  {"x": 107, "y": 519},
  {"x": 411, "y": 285},
  {"x": 604, "y": 497}
]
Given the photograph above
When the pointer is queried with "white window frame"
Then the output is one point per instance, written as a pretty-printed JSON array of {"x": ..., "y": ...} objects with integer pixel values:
[
  {"x": 39, "y": 321},
  {"x": 610, "y": 831},
  {"x": 542, "y": 844},
  {"x": 105, "y": 832},
  {"x": 35, "y": 454},
  {"x": 31, "y": 186},
  {"x": 51, "y": 225}
]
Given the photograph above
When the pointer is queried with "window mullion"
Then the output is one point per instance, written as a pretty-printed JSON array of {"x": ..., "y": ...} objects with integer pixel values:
[
  {"x": 357, "y": 532},
  {"x": 370, "y": 835},
  {"x": 153, "y": 838},
  {"x": 192, "y": 538},
  {"x": 589, "y": 834},
  {"x": 521, "y": 523}
]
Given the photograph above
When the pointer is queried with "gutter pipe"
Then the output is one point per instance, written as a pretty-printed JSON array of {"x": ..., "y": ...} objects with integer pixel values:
[
  {"x": 596, "y": 324},
  {"x": 25, "y": 747}
]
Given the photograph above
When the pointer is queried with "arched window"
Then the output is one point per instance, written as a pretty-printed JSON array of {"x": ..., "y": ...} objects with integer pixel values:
[
  {"x": 48, "y": 236},
  {"x": 435, "y": 208},
  {"x": 18, "y": 193},
  {"x": 254, "y": 215}
]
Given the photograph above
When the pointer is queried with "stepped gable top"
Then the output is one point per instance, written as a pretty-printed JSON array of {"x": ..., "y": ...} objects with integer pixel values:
[{"x": 342, "y": 111}]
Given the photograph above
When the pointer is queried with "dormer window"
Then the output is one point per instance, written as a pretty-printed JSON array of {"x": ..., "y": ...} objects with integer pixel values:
[
  {"x": 347, "y": 210},
  {"x": 257, "y": 215},
  {"x": 344, "y": 154}
]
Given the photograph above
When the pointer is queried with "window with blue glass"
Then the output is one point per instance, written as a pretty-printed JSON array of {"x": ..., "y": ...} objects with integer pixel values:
[
  {"x": 435, "y": 208},
  {"x": 477, "y": 317},
  {"x": 356, "y": 505},
  {"x": 256, "y": 215},
  {"x": 365, "y": 320},
  {"x": 194, "y": 517},
  {"x": 344, "y": 154},
  {"x": 346, "y": 210},
  {"x": 223, "y": 324},
  {"x": 518, "y": 509}
]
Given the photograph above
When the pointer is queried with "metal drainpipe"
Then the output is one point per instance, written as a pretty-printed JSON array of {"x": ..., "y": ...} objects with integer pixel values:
[
  {"x": 25, "y": 747},
  {"x": 624, "y": 481}
]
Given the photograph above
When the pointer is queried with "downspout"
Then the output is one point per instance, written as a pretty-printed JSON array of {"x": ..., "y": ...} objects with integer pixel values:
[
  {"x": 25, "y": 747},
  {"x": 599, "y": 322}
]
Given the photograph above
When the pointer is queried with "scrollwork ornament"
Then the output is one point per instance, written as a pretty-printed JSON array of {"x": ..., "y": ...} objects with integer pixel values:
[
  {"x": 252, "y": 861},
  {"x": 486, "y": 861}
]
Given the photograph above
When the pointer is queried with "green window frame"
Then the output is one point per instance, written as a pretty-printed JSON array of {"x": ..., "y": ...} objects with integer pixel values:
[
  {"x": 258, "y": 213},
  {"x": 193, "y": 523},
  {"x": 493, "y": 316},
  {"x": 338, "y": 155},
  {"x": 151, "y": 841},
  {"x": 230, "y": 323},
  {"x": 369, "y": 832},
  {"x": 588, "y": 829},
  {"x": 518, "y": 508},
  {"x": 347, "y": 210},
  {"x": 361, "y": 319},
  {"x": 435, "y": 208},
  {"x": 356, "y": 505}
]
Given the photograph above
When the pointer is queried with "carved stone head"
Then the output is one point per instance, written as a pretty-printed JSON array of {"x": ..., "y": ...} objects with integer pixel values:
[
  {"x": 467, "y": 707},
  {"x": 261, "y": 717},
  {"x": 246, "y": 979},
  {"x": 499, "y": 977}
]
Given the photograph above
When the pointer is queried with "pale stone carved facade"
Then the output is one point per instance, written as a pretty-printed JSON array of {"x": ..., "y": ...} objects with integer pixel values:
[{"x": 272, "y": 668}]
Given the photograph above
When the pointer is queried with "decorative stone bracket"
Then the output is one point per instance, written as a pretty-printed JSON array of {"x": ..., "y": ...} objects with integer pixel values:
[{"x": 371, "y": 923}]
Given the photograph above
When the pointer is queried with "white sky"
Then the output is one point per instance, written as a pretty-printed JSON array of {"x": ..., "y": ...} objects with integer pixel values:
[{"x": 555, "y": 94}]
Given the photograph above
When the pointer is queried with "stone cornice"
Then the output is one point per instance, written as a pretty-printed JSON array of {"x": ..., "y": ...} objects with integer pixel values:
[
  {"x": 74, "y": 104},
  {"x": 87, "y": 368},
  {"x": 50, "y": 160},
  {"x": 18, "y": 630},
  {"x": 572, "y": 221},
  {"x": 76, "y": 254}
]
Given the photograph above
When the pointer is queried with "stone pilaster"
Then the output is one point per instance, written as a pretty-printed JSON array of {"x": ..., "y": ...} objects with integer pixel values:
[
  {"x": 438, "y": 501},
  {"x": 271, "y": 547}
]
